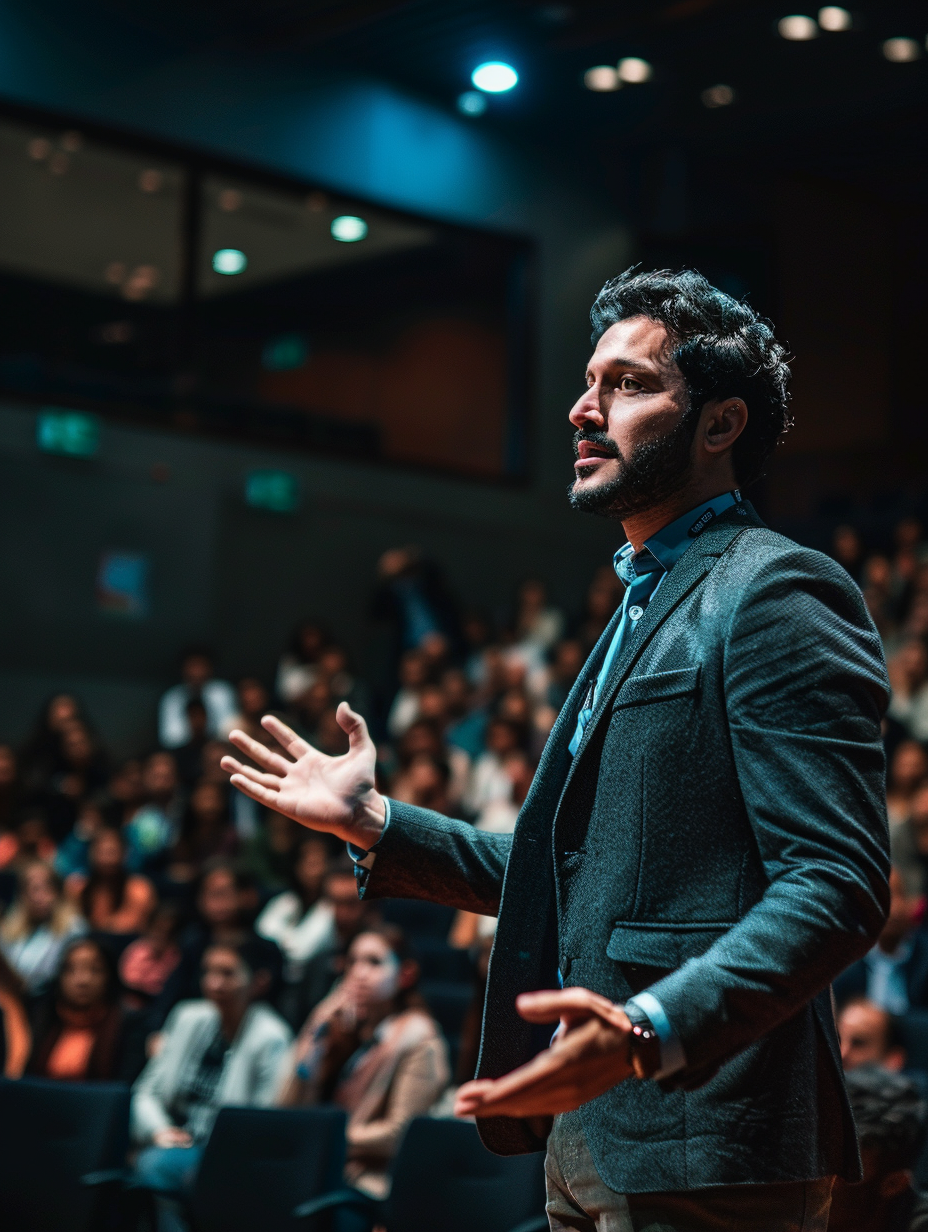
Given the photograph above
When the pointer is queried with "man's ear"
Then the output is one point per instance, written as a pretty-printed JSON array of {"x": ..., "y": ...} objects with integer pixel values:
[{"x": 722, "y": 422}]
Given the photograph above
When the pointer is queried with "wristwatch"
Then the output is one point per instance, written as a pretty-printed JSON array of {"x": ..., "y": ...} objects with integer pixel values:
[{"x": 643, "y": 1045}]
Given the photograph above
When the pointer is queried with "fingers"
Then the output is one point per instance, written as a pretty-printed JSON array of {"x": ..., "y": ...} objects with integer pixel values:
[
  {"x": 258, "y": 753},
  {"x": 569, "y": 1003},
  {"x": 353, "y": 724},
  {"x": 263, "y": 795},
  {"x": 285, "y": 735},
  {"x": 231, "y": 766}
]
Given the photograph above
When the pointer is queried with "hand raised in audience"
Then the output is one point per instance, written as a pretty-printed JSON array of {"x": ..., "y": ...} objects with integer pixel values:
[
  {"x": 171, "y": 1135},
  {"x": 334, "y": 794}
]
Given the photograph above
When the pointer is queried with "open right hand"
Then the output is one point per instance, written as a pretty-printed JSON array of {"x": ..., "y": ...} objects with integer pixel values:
[{"x": 334, "y": 794}]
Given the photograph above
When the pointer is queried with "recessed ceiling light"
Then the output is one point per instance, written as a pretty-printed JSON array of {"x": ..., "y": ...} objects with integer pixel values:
[
  {"x": 634, "y": 70},
  {"x": 718, "y": 96},
  {"x": 348, "y": 228},
  {"x": 901, "y": 50},
  {"x": 494, "y": 77},
  {"x": 798, "y": 28},
  {"x": 833, "y": 18},
  {"x": 229, "y": 261},
  {"x": 602, "y": 78}
]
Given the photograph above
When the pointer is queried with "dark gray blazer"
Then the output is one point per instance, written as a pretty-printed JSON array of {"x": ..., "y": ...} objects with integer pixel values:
[{"x": 720, "y": 838}]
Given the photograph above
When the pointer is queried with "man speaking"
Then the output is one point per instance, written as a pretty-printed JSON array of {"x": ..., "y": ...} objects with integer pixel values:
[{"x": 704, "y": 846}]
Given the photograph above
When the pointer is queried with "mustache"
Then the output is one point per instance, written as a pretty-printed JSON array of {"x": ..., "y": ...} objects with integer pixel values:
[{"x": 600, "y": 439}]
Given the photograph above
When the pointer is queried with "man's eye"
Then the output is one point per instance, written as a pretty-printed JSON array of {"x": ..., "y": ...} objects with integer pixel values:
[{"x": 629, "y": 383}]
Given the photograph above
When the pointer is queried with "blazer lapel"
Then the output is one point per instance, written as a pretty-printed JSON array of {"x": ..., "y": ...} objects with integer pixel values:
[{"x": 684, "y": 577}]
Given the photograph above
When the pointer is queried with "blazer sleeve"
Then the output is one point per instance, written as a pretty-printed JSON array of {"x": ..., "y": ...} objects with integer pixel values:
[
  {"x": 805, "y": 691},
  {"x": 426, "y": 855}
]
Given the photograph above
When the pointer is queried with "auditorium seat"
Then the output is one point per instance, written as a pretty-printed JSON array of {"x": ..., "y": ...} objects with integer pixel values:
[
  {"x": 417, "y": 918},
  {"x": 449, "y": 1003},
  {"x": 260, "y": 1162},
  {"x": 62, "y": 1154},
  {"x": 444, "y": 1177},
  {"x": 439, "y": 961}
]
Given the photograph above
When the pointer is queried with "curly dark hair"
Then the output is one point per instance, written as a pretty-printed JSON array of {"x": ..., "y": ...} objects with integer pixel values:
[
  {"x": 889, "y": 1113},
  {"x": 721, "y": 346}
]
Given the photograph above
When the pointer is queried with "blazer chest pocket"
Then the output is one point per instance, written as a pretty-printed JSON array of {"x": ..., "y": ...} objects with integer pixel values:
[
  {"x": 666, "y": 945},
  {"x": 658, "y": 687}
]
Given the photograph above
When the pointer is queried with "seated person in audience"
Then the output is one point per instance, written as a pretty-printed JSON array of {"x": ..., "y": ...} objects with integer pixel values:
[
  {"x": 197, "y": 680},
  {"x": 73, "y": 854},
  {"x": 154, "y": 825},
  {"x": 206, "y": 831},
  {"x": 225, "y": 903},
  {"x": 299, "y": 920},
  {"x": 111, "y": 899},
  {"x": 15, "y": 1031},
  {"x": 268, "y": 854},
  {"x": 80, "y": 1031},
  {"x": 894, "y": 974},
  {"x": 146, "y": 964},
  {"x": 28, "y": 840},
  {"x": 908, "y": 770},
  {"x": 84, "y": 771},
  {"x": 890, "y": 1115},
  {"x": 350, "y": 916},
  {"x": 189, "y": 756},
  {"x": 297, "y": 669},
  {"x": 372, "y": 1048},
  {"x": 870, "y": 1035},
  {"x": 11, "y": 788},
  {"x": 226, "y": 1048},
  {"x": 908, "y": 843},
  {"x": 38, "y": 927}
]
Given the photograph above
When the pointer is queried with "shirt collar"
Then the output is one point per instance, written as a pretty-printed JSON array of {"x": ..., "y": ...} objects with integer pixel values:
[{"x": 667, "y": 545}]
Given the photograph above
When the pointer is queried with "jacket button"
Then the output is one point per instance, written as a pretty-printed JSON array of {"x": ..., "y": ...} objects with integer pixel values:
[{"x": 635, "y": 612}]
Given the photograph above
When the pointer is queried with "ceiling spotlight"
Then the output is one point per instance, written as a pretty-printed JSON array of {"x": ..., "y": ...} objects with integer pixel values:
[
  {"x": 717, "y": 96},
  {"x": 634, "y": 71},
  {"x": 472, "y": 103},
  {"x": 348, "y": 228},
  {"x": 798, "y": 28},
  {"x": 833, "y": 19},
  {"x": 901, "y": 50},
  {"x": 494, "y": 77},
  {"x": 602, "y": 78},
  {"x": 151, "y": 180},
  {"x": 229, "y": 261}
]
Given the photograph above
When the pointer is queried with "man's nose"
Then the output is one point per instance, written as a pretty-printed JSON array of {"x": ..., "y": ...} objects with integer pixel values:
[{"x": 586, "y": 411}]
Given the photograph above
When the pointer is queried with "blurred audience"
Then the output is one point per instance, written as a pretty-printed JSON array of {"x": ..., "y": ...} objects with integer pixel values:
[
  {"x": 890, "y": 1115},
  {"x": 870, "y": 1035},
  {"x": 38, "y": 927},
  {"x": 146, "y": 963},
  {"x": 372, "y": 1048},
  {"x": 196, "y": 682},
  {"x": 15, "y": 1031},
  {"x": 894, "y": 974},
  {"x": 81, "y": 1033},
  {"x": 109, "y": 897},
  {"x": 227, "y": 1047}
]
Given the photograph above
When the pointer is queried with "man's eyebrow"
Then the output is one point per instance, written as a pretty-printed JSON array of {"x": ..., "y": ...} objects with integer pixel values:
[{"x": 632, "y": 365}]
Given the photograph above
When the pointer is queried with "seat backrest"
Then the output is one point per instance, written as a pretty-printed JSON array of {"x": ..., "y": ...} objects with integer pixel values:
[
  {"x": 444, "y": 1177},
  {"x": 260, "y": 1163},
  {"x": 52, "y": 1134}
]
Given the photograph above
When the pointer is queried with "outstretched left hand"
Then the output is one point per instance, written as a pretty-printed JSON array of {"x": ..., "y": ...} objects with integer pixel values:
[{"x": 589, "y": 1054}]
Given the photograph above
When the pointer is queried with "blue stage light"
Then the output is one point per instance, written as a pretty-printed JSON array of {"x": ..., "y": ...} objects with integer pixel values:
[
  {"x": 348, "y": 228},
  {"x": 229, "y": 261},
  {"x": 494, "y": 77}
]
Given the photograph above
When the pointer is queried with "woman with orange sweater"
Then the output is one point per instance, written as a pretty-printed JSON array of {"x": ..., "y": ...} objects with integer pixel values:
[{"x": 111, "y": 899}]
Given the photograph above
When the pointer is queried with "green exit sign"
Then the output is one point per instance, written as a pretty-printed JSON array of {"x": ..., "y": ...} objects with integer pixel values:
[
  {"x": 278, "y": 491},
  {"x": 72, "y": 433}
]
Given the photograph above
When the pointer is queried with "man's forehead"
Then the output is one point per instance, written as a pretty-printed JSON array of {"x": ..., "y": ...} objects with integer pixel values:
[{"x": 639, "y": 339}]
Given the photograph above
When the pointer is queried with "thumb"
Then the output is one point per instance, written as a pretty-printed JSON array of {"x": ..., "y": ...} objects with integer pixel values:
[{"x": 354, "y": 726}]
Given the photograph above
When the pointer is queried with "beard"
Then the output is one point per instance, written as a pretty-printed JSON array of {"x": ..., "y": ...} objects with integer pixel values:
[{"x": 651, "y": 473}]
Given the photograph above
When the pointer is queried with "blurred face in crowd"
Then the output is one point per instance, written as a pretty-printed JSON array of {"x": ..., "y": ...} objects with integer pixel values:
[
  {"x": 909, "y": 766},
  {"x": 332, "y": 662},
  {"x": 420, "y": 737},
  {"x": 226, "y": 980},
  {"x": 310, "y": 640},
  {"x": 456, "y": 689},
  {"x": 159, "y": 778},
  {"x": 76, "y": 744},
  {"x": 282, "y": 833},
  {"x": 208, "y": 803},
  {"x": 413, "y": 670},
  {"x": 39, "y": 893},
  {"x": 83, "y": 977},
  {"x": 252, "y": 698},
  {"x": 847, "y": 546},
  {"x": 107, "y": 853},
  {"x": 7, "y": 766},
  {"x": 341, "y": 891},
  {"x": 127, "y": 784},
  {"x": 912, "y": 662},
  {"x": 903, "y": 913},
  {"x": 501, "y": 738},
  {"x": 374, "y": 974},
  {"x": 864, "y": 1032},
  {"x": 196, "y": 670},
  {"x": 311, "y": 861},
  {"x": 432, "y": 704},
  {"x": 61, "y": 710},
  {"x": 919, "y": 820},
  {"x": 219, "y": 899},
  {"x": 878, "y": 573},
  {"x": 568, "y": 660},
  {"x": 532, "y": 596}
]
